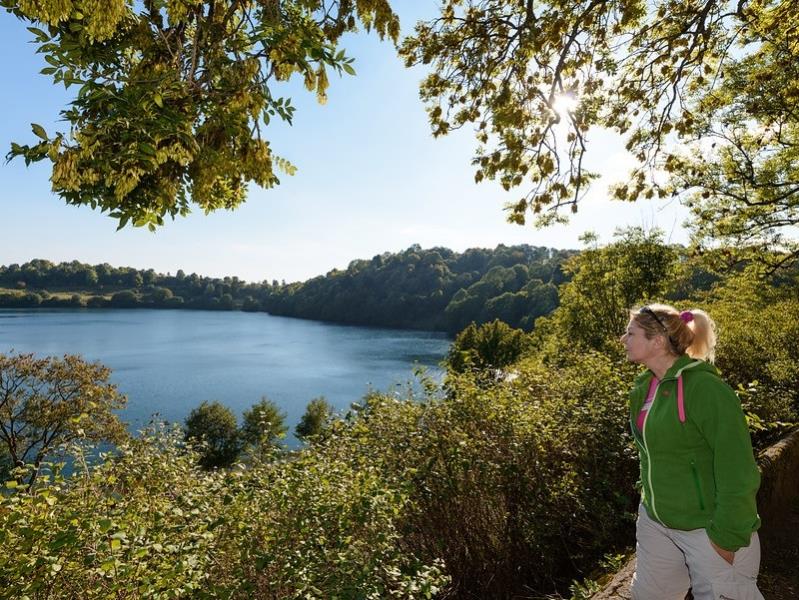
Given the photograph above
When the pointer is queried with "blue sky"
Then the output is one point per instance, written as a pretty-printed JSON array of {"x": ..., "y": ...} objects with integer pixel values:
[{"x": 370, "y": 179}]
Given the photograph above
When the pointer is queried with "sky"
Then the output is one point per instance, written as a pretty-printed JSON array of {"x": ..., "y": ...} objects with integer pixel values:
[{"x": 371, "y": 178}]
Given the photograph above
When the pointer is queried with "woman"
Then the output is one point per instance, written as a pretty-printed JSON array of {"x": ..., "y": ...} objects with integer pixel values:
[{"x": 697, "y": 521}]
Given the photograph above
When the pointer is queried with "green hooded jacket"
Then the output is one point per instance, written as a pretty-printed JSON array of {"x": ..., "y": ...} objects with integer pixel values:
[{"x": 697, "y": 465}]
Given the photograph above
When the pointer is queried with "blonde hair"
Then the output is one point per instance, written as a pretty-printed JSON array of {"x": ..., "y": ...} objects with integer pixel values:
[{"x": 690, "y": 332}]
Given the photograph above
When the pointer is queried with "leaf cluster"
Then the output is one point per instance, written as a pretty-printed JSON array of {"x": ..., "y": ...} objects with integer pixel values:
[
  {"x": 718, "y": 78},
  {"x": 172, "y": 96}
]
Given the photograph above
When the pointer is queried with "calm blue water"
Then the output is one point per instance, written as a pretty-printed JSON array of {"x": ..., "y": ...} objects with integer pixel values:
[{"x": 168, "y": 361}]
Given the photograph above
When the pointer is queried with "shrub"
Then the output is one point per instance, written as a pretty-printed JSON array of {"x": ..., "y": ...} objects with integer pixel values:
[
  {"x": 146, "y": 522},
  {"x": 515, "y": 486},
  {"x": 264, "y": 425},
  {"x": 486, "y": 348},
  {"x": 315, "y": 420},
  {"x": 125, "y": 299},
  {"x": 213, "y": 429}
]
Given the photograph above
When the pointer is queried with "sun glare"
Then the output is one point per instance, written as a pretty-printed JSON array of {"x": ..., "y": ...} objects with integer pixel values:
[{"x": 565, "y": 104}]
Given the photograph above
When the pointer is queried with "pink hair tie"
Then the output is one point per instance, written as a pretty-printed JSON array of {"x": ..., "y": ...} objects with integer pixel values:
[{"x": 687, "y": 316}]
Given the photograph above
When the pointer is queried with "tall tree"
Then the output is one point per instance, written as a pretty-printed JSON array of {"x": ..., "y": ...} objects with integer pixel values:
[
  {"x": 173, "y": 96},
  {"x": 48, "y": 402},
  {"x": 606, "y": 282}
]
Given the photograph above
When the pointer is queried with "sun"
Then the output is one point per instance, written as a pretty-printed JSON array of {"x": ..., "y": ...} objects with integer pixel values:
[{"x": 565, "y": 104}]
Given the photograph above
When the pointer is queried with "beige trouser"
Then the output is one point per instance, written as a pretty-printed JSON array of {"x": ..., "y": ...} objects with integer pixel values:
[{"x": 670, "y": 561}]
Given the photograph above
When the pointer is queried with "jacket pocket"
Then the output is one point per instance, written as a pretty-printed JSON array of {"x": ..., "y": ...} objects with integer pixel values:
[{"x": 697, "y": 485}]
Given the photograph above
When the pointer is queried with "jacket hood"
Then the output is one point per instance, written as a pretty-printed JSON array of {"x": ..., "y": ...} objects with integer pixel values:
[{"x": 683, "y": 363}]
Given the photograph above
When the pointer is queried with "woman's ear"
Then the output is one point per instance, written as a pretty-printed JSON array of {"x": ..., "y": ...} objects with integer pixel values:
[{"x": 660, "y": 342}]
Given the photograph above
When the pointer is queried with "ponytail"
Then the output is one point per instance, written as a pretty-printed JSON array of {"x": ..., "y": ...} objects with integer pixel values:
[{"x": 703, "y": 345}]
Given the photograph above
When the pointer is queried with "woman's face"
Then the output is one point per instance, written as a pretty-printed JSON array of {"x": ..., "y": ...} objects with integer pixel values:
[{"x": 639, "y": 348}]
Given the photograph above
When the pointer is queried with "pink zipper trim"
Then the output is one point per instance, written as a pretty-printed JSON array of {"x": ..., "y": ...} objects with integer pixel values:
[{"x": 680, "y": 400}]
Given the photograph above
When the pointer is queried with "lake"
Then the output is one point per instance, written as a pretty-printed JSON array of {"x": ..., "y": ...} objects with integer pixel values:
[{"x": 168, "y": 361}]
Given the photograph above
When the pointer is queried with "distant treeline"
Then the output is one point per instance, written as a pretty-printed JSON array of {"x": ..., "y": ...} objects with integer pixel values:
[{"x": 435, "y": 289}]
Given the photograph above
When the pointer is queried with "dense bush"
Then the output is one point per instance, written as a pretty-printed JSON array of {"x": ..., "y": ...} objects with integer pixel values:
[
  {"x": 315, "y": 420},
  {"x": 517, "y": 487},
  {"x": 484, "y": 486},
  {"x": 213, "y": 429},
  {"x": 264, "y": 425},
  {"x": 486, "y": 349},
  {"x": 758, "y": 325},
  {"x": 148, "y": 523}
]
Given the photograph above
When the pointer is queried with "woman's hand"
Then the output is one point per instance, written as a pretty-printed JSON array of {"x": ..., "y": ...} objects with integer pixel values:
[{"x": 727, "y": 555}]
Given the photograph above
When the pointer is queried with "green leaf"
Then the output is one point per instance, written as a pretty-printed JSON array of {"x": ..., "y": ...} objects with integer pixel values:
[
  {"x": 62, "y": 540},
  {"x": 158, "y": 100},
  {"x": 146, "y": 148},
  {"x": 39, "y": 34},
  {"x": 107, "y": 566},
  {"x": 348, "y": 68},
  {"x": 39, "y": 131},
  {"x": 115, "y": 544}
]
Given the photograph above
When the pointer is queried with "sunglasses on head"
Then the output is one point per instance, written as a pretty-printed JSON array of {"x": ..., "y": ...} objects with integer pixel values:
[{"x": 648, "y": 311}]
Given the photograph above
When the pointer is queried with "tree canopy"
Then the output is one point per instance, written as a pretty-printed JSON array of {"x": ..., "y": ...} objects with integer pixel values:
[
  {"x": 264, "y": 425},
  {"x": 173, "y": 96},
  {"x": 315, "y": 420},
  {"x": 48, "y": 402},
  {"x": 704, "y": 91},
  {"x": 212, "y": 426}
]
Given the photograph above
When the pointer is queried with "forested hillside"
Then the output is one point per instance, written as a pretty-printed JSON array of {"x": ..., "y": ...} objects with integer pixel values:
[
  {"x": 421, "y": 289},
  {"x": 432, "y": 289}
]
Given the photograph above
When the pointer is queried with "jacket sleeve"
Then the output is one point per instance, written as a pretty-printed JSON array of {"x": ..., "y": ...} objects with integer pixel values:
[{"x": 737, "y": 478}]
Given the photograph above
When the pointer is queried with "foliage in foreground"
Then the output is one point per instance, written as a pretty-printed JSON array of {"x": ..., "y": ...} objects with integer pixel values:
[
  {"x": 399, "y": 499},
  {"x": 506, "y": 486},
  {"x": 148, "y": 523}
]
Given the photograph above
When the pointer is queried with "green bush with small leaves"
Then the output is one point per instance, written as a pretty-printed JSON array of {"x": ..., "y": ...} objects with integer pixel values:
[{"x": 148, "y": 522}]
